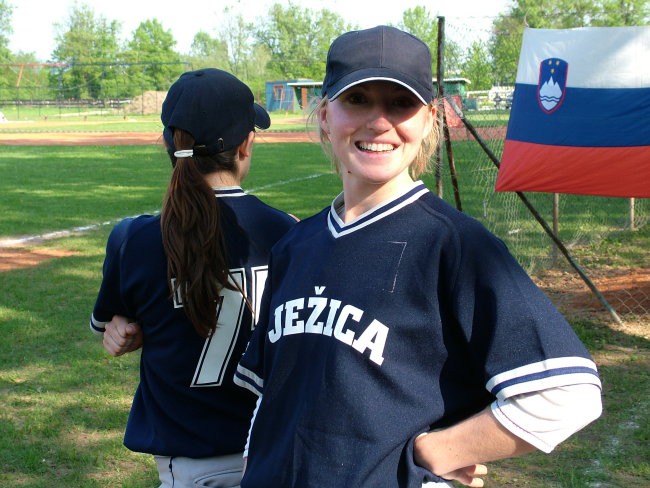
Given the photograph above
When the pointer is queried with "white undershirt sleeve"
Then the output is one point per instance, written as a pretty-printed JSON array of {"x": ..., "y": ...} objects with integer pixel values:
[{"x": 546, "y": 418}]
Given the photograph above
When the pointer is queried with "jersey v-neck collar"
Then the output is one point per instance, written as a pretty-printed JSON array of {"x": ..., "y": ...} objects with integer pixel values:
[
  {"x": 228, "y": 191},
  {"x": 338, "y": 228}
]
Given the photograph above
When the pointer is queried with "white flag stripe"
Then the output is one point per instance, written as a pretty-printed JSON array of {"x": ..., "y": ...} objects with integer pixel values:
[{"x": 598, "y": 57}]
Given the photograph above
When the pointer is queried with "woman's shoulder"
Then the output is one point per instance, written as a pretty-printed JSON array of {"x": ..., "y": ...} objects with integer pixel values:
[
  {"x": 266, "y": 211},
  {"x": 307, "y": 228},
  {"x": 456, "y": 220},
  {"x": 141, "y": 226}
]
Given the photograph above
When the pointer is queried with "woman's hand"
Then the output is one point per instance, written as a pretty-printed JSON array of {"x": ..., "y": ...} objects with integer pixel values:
[
  {"x": 122, "y": 336},
  {"x": 469, "y": 475}
]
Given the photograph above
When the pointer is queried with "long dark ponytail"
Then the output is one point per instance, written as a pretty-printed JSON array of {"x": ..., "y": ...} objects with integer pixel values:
[{"x": 192, "y": 234}]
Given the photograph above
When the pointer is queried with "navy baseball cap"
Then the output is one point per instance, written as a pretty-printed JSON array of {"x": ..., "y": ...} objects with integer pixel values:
[
  {"x": 215, "y": 107},
  {"x": 381, "y": 53}
]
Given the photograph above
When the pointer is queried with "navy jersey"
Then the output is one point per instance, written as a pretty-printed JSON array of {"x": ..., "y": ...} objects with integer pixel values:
[
  {"x": 186, "y": 403},
  {"x": 408, "y": 319}
]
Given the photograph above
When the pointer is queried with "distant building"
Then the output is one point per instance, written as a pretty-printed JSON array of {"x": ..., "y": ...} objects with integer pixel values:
[
  {"x": 301, "y": 95},
  {"x": 453, "y": 86},
  {"x": 292, "y": 95}
]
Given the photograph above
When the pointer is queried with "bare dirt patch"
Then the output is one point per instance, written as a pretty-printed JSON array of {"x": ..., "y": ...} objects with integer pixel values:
[
  {"x": 626, "y": 290},
  {"x": 21, "y": 257}
]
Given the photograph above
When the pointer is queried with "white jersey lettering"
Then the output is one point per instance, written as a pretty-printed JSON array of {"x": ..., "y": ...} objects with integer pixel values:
[
  {"x": 373, "y": 338},
  {"x": 276, "y": 332},
  {"x": 288, "y": 320},
  {"x": 291, "y": 325},
  {"x": 348, "y": 336},
  {"x": 334, "y": 306},
  {"x": 318, "y": 304}
]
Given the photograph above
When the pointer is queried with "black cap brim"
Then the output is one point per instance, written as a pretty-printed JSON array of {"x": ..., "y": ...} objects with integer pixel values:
[{"x": 262, "y": 117}]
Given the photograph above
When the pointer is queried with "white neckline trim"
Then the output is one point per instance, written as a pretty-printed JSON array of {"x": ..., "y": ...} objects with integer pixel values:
[
  {"x": 338, "y": 228},
  {"x": 228, "y": 191}
]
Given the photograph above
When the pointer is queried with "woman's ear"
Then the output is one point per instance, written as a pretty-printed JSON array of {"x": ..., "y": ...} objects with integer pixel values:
[
  {"x": 431, "y": 119},
  {"x": 322, "y": 120},
  {"x": 246, "y": 148}
]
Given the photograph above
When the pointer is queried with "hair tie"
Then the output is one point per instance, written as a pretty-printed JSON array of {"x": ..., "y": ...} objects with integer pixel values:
[{"x": 184, "y": 153}]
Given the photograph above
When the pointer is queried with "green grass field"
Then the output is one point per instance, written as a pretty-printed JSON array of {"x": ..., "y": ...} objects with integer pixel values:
[{"x": 64, "y": 401}]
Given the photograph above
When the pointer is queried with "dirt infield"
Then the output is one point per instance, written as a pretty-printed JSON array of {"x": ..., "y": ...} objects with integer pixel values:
[
  {"x": 107, "y": 138},
  {"x": 96, "y": 138},
  {"x": 18, "y": 257}
]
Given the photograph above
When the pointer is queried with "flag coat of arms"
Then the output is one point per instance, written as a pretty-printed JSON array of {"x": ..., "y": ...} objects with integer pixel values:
[{"x": 580, "y": 116}]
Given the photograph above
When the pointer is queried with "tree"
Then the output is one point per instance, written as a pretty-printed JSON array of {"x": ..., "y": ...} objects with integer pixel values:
[
  {"x": 507, "y": 29},
  {"x": 208, "y": 52},
  {"x": 6, "y": 11},
  {"x": 85, "y": 43},
  {"x": 235, "y": 50},
  {"x": 298, "y": 40},
  {"x": 419, "y": 22},
  {"x": 477, "y": 66},
  {"x": 153, "y": 63},
  {"x": 504, "y": 47},
  {"x": 624, "y": 12}
]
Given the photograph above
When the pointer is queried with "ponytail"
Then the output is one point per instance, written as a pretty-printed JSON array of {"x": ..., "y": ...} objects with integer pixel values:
[{"x": 192, "y": 234}]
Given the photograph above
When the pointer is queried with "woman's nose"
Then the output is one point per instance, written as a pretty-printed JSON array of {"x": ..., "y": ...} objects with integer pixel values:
[{"x": 378, "y": 120}]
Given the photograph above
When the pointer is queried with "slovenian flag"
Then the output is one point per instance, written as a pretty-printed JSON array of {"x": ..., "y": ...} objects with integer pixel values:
[{"x": 580, "y": 116}]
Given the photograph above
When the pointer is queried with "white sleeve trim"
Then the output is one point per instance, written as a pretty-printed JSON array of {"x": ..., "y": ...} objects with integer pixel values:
[
  {"x": 247, "y": 379},
  {"x": 250, "y": 429},
  {"x": 97, "y": 327},
  {"x": 543, "y": 375},
  {"x": 546, "y": 418}
]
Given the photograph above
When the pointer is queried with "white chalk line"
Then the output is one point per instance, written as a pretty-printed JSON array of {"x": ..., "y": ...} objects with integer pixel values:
[{"x": 21, "y": 241}]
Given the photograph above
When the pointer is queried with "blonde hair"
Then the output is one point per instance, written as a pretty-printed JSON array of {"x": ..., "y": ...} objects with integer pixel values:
[{"x": 419, "y": 165}]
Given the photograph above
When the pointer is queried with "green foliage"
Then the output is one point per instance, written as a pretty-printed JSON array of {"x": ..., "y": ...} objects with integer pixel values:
[
  {"x": 6, "y": 11},
  {"x": 298, "y": 40},
  {"x": 153, "y": 63},
  {"x": 82, "y": 42},
  {"x": 286, "y": 42},
  {"x": 422, "y": 24},
  {"x": 477, "y": 67},
  {"x": 624, "y": 12},
  {"x": 505, "y": 42}
]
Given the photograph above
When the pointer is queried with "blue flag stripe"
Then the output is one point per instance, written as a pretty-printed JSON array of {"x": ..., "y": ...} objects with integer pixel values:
[{"x": 591, "y": 117}]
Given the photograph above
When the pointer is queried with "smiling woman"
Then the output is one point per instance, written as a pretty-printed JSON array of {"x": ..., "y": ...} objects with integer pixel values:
[{"x": 398, "y": 342}]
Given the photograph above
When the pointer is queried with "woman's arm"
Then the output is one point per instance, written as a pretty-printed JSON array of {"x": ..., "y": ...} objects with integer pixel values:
[
  {"x": 452, "y": 452},
  {"x": 509, "y": 428}
]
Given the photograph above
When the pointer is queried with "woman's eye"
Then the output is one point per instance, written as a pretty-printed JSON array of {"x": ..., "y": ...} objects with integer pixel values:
[
  {"x": 404, "y": 102},
  {"x": 356, "y": 98}
]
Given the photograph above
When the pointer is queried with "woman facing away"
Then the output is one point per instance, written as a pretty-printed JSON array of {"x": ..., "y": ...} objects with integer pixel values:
[
  {"x": 189, "y": 278},
  {"x": 399, "y": 343}
]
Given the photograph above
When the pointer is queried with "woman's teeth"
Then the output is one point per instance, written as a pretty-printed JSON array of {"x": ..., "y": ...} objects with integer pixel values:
[{"x": 373, "y": 147}]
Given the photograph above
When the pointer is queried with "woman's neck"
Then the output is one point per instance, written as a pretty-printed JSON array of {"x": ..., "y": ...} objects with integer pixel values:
[
  {"x": 359, "y": 197},
  {"x": 222, "y": 179}
]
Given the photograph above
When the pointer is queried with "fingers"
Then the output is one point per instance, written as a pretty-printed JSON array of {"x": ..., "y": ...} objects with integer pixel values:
[
  {"x": 115, "y": 346},
  {"x": 479, "y": 470},
  {"x": 469, "y": 475},
  {"x": 121, "y": 336}
]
